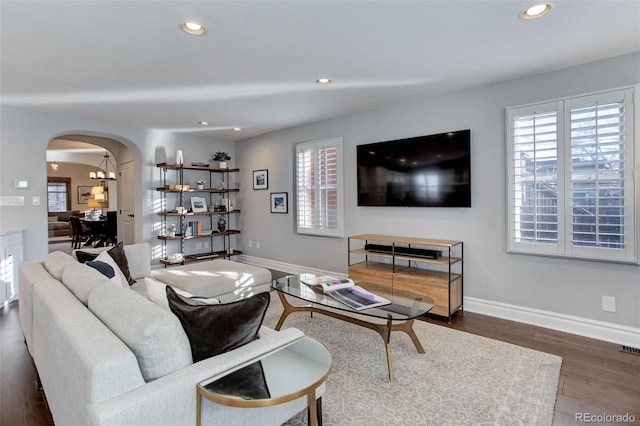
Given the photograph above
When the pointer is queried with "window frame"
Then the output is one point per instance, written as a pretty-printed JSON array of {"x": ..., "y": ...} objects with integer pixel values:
[
  {"x": 67, "y": 182},
  {"x": 338, "y": 231},
  {"x": 564, "y": 247}
]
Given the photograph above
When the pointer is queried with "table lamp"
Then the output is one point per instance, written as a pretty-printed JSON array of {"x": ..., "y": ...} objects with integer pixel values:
[{"x": 94, "y": 204}]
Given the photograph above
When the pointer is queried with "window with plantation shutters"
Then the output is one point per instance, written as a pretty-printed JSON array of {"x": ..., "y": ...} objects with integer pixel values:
[
  {"x": 319, "y": 188},
  {"x": 570, "y": 166}
]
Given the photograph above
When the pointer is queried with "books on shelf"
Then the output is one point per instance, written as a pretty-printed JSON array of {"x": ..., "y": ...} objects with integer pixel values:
[
  {"x": 193, "y": 228},
  {"x": 358, "y": 298},
  {"x": 327, "y": 283}
]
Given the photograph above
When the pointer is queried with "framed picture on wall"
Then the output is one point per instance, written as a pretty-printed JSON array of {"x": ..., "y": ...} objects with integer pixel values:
[
  {"x": 261, "y": 179},
  {"x": 84, "y": 193},
  {"x": 279, "y": 202}
]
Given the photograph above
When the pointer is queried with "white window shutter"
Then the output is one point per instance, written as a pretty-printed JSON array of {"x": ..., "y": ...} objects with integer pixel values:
[
  {"x": 571, "y": 189},
  {"x": 319, "y": 188}
]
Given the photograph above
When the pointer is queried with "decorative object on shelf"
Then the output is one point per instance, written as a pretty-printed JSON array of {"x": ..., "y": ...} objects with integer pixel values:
[
  {"x": 219, "y": 208},
  {"x": 198, "y": 204},
  {"x": 222, "y": 157},
  {"x": 181, "y": 210},
  {"x": 104, "y": 165},
  {"x": 261, "y": 179},
  {"x": 200, "y": 184},
  {"x": 179, "y": 157},
  {"x": 84, "y": 194},
  {"x": 171, "y": 229},
  {"x": 279, "y": 202},
  {"x": 199, "y": 164},
  {"x": 223, "y": 186},
  {"x": 222, "y": 224}
]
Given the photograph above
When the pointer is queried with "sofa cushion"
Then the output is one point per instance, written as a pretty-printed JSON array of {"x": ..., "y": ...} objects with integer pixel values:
[
  {"x": 81, "y": 280},
  {"x": 52, "y": 219},
  {"x": 215, "y": 329},
  {"x": 139, "y": 258},
  {"x": 154, "y": 335},
  {"x": 55, "y": 263},
  {"x": 118, "y": 254}
]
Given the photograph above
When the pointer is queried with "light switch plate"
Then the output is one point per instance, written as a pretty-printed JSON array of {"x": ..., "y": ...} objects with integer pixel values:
[{"x": 21, "y": 184}]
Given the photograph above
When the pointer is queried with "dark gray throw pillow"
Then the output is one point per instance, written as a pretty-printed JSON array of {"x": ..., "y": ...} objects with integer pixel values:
[
  {"x": 84, "y": 257},
  {"x": 104, "y": 268},
  {"x": 215, "y": 329},
  {"x": 118, "y": 255}
]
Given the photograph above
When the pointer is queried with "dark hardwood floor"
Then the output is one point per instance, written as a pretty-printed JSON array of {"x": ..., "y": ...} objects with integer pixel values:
[{"x": 596, "y": 377}]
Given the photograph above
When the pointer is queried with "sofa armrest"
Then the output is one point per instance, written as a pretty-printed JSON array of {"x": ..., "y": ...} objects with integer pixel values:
[{"x": 171, "y": 399}]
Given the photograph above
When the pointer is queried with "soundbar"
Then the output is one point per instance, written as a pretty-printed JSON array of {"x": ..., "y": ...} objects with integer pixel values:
[{"x": 408, "y": 251}]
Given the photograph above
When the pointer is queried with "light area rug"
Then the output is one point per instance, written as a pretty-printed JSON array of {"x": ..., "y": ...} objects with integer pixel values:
[{"x": 462, "y": 379}]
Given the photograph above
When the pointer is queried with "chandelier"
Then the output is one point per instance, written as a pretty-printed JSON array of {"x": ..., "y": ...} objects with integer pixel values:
[{"x": 106, "y": 174}]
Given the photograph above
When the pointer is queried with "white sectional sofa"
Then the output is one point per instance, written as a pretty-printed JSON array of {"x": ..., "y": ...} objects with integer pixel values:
[{"x": 108, "y": 356}]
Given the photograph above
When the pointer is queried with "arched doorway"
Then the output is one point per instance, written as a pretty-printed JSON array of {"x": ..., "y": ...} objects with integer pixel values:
[{"x": 90, "y": 167}]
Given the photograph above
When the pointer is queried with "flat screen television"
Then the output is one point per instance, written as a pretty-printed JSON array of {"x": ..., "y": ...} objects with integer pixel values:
[{"x": 423, "y": 171}]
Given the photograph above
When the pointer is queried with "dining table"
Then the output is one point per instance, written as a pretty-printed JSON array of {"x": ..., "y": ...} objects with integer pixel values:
[{"x": 97, "y": 226}]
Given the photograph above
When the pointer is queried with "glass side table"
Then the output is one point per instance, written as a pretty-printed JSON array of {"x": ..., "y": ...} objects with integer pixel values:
[{"x": 280, "y": 376}]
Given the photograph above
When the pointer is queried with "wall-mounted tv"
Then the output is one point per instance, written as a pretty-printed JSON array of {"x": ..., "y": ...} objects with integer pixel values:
[{"x": 423, "y": 171}]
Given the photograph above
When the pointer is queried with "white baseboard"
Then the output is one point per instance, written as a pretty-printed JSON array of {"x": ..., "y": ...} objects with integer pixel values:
[
  {"x": 609, "y": 332},
  {"x": 286, "y": 267}
]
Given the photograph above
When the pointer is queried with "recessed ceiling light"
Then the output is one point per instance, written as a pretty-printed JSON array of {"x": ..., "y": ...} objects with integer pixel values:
[
  {"x": 323, "y": 81},
  {"x": 192, "y": 28},
  {"x": 536, "y": 11},
  {"x": 237, "y": 129},
  {"x": 203, "y": 123}
]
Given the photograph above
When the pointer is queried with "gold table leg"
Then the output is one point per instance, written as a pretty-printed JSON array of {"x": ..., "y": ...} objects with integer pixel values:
[{"x": 383, "y": 329}]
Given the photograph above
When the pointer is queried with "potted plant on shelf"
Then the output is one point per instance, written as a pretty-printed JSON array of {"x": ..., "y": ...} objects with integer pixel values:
[
  {"x": 222, "y": 157},
  {"x": 200, "y": 184}
]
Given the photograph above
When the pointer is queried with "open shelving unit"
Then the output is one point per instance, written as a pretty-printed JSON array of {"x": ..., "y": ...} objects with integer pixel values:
[
  {"x": 172, "y": 175},
  {"x": 439, "y": 278}
]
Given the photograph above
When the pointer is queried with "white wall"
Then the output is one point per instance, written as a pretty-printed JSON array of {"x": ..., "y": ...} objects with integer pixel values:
[{"x": 568, "y": 287}]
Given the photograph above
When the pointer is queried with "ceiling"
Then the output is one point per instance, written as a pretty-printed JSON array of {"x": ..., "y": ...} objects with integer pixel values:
[{"x": 127, "y": 62}]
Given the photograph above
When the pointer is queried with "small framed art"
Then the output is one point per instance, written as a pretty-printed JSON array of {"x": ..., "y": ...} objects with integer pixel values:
[
  {"x": 84, "y": 193},
  {"x": 198, "y": 204},
  {"x": 279, "y": 202},
  {"x": 261, "y": 179}
]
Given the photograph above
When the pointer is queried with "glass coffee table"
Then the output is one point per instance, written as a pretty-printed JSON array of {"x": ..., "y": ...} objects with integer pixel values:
[
  {"x": 282, "y": 375},
  {"x": 399, "y": 315}
]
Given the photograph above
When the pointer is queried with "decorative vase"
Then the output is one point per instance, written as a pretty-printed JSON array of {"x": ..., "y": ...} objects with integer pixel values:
[
  {"x": 179, "y": 157},
  {"x": 223, "y": 165},
  {"x": 222, "y": 224},
  {"x": 200, "y": 186}
]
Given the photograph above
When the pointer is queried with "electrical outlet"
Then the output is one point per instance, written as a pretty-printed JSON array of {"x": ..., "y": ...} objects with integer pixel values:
[
  {"x": 35, "y": 200},
  {"x": 608, "y": 304},
  {"x": 250, "y": 243},
  {"x": 257, "y": 244}
]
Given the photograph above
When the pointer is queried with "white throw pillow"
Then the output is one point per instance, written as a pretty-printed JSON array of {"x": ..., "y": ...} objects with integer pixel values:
[
  {"x": 157, "y": 293},
  {"x": 118, "y": 278}
]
